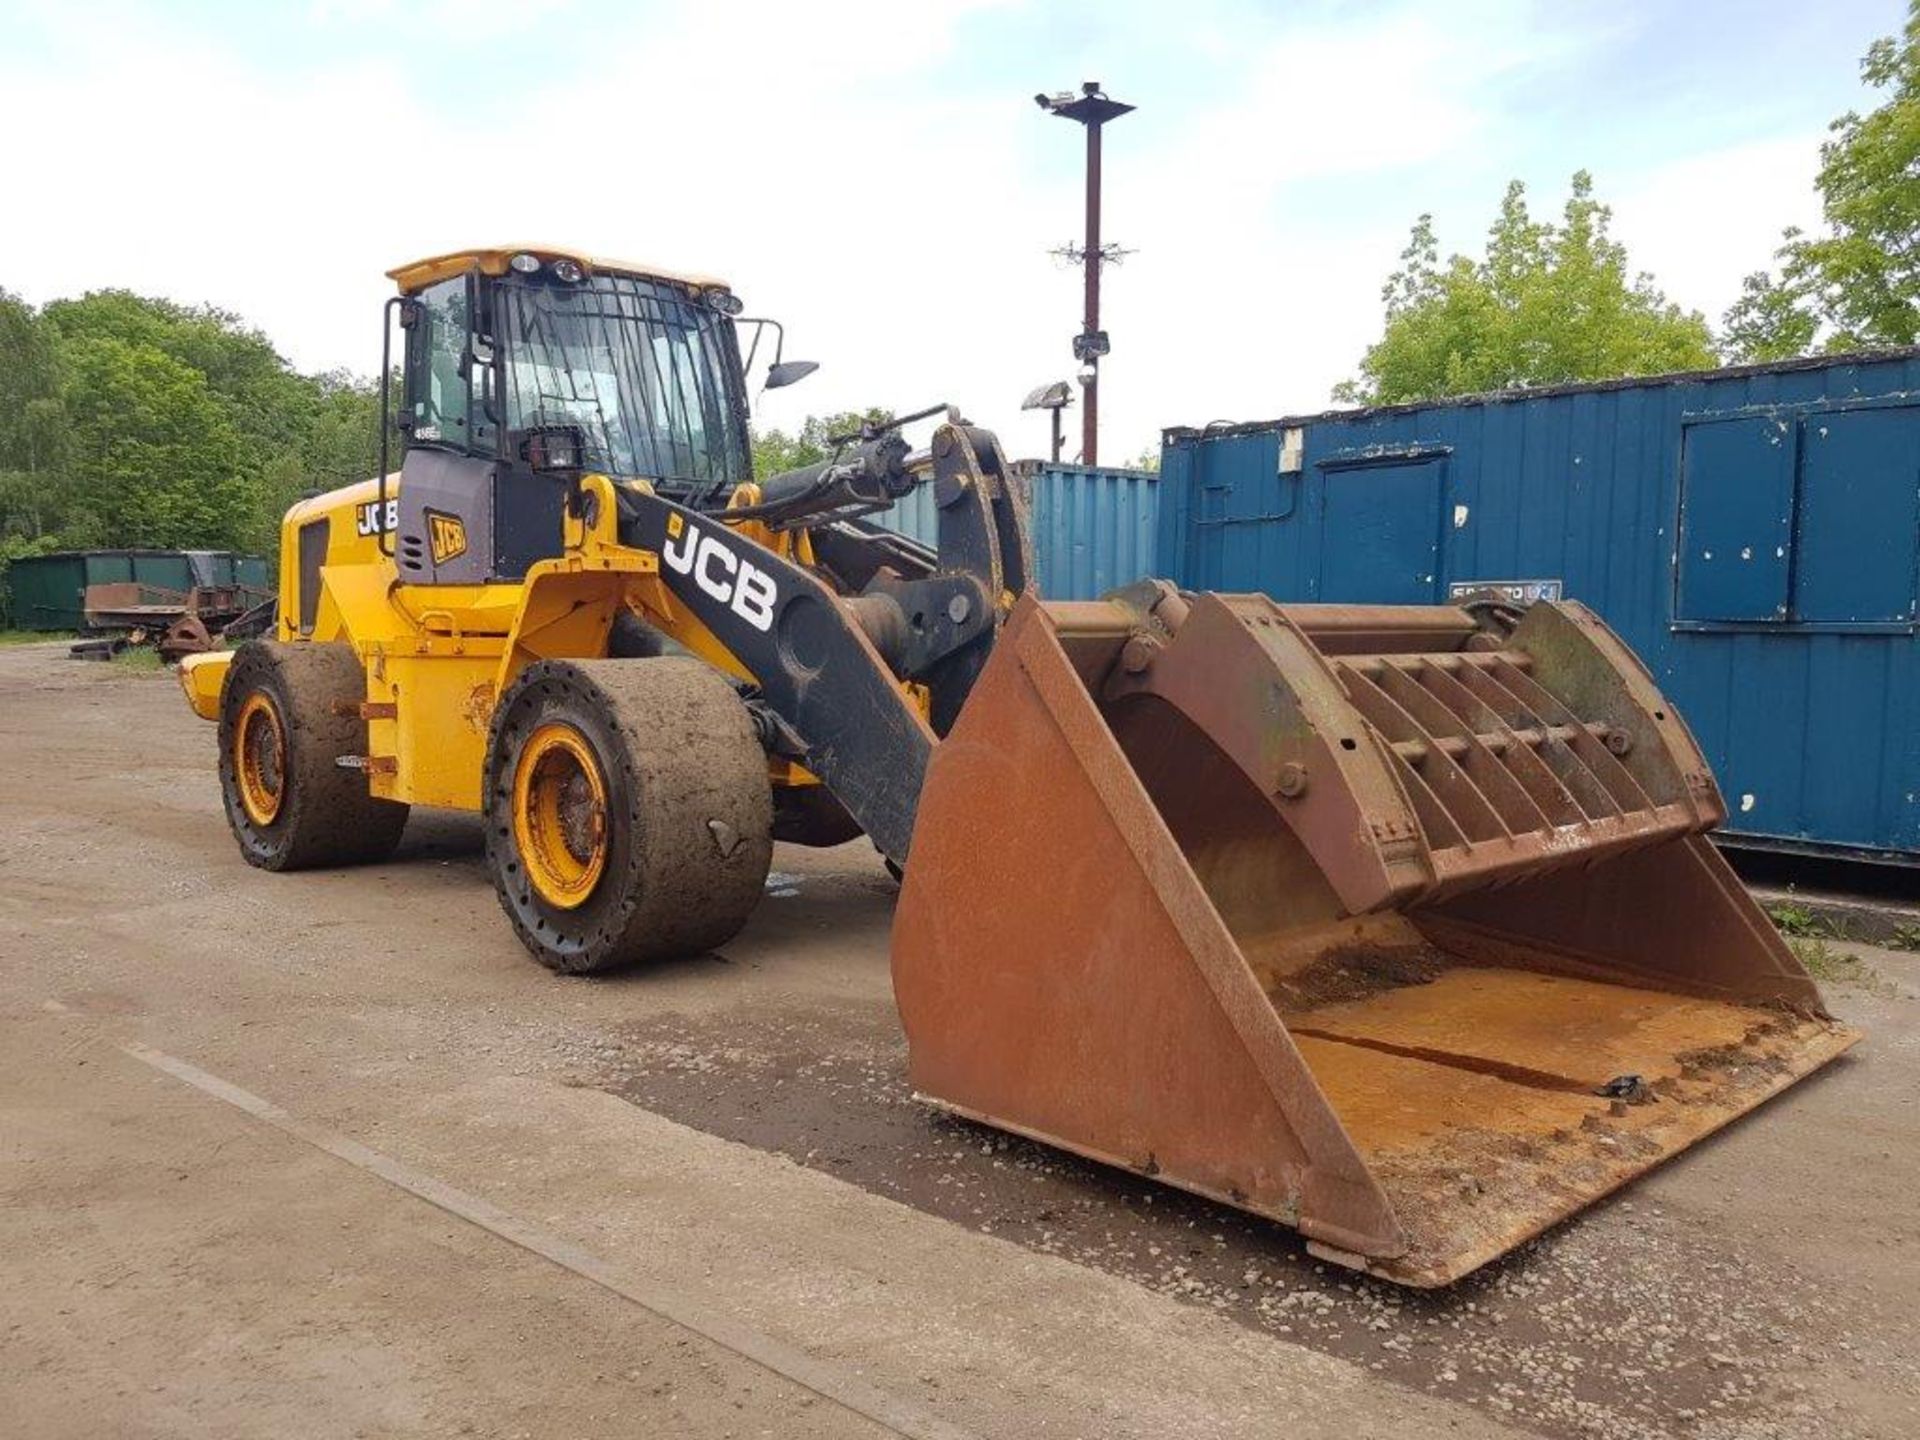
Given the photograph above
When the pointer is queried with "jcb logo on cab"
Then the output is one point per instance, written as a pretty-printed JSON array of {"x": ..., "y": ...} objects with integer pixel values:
[{"x": 446, "y": 536}]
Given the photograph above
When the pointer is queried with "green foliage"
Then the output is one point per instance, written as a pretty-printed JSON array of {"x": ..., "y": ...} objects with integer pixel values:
[
  {"x": 1791, "y": 919},
  {"x": 155, "y": 457},
  {"x": 1799, "y": 922},
  {"x": 30, "y": 416},
  {"x": 1838, "y": 967},
  {"x": 1859, "y": 283},
  {"x": 775, "y": 450},
  {"x": 1823, "y": 962},
  {"x": 1767, "y": 322},
  {"x": 141, "y": 660},
  {"x": 1548, "y": 304},
  {"x": 128, "y": 420},
  {"x": 1904, "y": 937}
]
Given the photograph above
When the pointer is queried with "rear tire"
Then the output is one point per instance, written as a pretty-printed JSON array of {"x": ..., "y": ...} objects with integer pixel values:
[
  {"x": 287, "y": 715},
  {"x": 629, "y": 816}
]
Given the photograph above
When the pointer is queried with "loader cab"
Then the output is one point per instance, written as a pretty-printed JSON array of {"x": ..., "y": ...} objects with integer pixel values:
[{"x": 503, "y": 348}]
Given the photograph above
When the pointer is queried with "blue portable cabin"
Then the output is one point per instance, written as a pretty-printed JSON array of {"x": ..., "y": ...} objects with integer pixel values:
[
  {"x": 1753, "y": 532},
  {"x": 1094, "y": 528}
]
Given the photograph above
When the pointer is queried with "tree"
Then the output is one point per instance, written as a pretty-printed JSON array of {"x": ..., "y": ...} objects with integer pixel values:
[
  {"x": 1548, "y": 304},
  {"x": 131, "y": 420},
  {"x": 155, "y": 459},
  {"x": 775, "y": 450},
  {"x": 1859, "y": 283},
  {"x": 290, "y": 434},
  {"x": 30, "y": 423},
  {"x": 269, "y": 406},
  {"x": 32, "y": 433},
  {"x": 1767, "y": 322}
]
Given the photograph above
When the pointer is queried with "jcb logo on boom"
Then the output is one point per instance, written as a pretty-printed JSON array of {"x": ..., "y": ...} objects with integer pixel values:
[{"x": 719, "y": 572}]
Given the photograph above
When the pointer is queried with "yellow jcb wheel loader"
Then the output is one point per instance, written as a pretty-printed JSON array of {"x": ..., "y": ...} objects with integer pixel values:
[{"x": 1394, "y": 924}]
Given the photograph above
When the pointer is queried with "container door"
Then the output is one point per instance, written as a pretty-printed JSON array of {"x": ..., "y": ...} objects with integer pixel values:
[
  {"x": 1380, "y": 541},
  {"x": 1859, "y": 514},
  {"x": 1237, "y": 498},
  {"x": 1736, "y": 519}
]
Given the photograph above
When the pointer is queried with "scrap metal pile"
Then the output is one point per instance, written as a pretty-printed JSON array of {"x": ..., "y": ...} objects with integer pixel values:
[{"x": 122, "y": 614}]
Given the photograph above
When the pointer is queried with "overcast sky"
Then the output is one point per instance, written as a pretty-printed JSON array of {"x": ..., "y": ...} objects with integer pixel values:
[{"x": 877, "y": 175}]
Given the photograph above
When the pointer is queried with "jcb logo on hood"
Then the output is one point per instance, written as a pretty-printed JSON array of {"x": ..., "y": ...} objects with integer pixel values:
[{"x": 719, "y": 572}]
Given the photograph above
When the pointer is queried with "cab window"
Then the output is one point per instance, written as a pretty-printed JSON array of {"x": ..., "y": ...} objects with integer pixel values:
[{"x": 438, "y": 391}]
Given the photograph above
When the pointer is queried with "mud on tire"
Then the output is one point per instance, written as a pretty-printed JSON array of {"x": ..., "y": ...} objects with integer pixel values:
[
  {"x": 289, "y": 804},
  {"x": 656, "y": 843}
]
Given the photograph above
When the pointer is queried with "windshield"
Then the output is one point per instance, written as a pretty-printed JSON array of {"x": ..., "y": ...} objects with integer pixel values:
[{"x": 651, "y": 376}]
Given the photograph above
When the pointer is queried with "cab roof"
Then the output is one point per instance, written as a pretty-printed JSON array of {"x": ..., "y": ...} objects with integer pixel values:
[{"x": 492, "y": 260}]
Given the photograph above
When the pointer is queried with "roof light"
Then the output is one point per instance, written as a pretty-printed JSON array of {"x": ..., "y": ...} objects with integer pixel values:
[
  {"x": 568, "y": 271},
  {"x": 526, "y": 264},
  {"x": 723, "y": 300}
]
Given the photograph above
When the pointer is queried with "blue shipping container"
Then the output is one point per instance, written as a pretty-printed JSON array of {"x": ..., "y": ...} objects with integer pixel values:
[
  {"x": 1754, "y": 533},
  {"x": 1093, "y": 528}
]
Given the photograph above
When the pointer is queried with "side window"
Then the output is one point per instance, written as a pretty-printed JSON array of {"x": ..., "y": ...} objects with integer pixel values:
[
  {"x": 437, "y": 385},
  {"x": 1736, "y": 519}
]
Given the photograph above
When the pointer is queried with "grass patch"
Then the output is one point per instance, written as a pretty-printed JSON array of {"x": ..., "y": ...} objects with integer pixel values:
[
  {"x": 1791, "y": 919},
  {"x": 1796, "y": 920},
  {"x": 141, "y": 659},
  {"x": 1904, "y": 937},
  {"x": 1836, "y": 967},
  {"x": 30, "y": 637}
]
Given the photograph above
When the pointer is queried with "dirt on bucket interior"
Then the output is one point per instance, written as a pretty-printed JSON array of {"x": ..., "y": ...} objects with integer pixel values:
[{"x": 1633, "y": 1329}]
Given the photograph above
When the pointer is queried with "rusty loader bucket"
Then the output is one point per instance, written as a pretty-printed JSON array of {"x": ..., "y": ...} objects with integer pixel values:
[{"x": 1392, "y": 926}]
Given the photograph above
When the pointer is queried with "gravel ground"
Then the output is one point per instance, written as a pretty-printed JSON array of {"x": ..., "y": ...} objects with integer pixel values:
[
  {"x": 1639, "y": 1320},
  {"x": 739, "y": 1126}
]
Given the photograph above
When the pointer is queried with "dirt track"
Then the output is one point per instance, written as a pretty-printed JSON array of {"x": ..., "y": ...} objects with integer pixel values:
[{"x": 731, "y": 1139}]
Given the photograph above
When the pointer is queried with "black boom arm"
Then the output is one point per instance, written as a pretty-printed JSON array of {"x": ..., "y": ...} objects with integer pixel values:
[
  {"x": 817, "y": 671},
  {"x": 829, "y": 666}
]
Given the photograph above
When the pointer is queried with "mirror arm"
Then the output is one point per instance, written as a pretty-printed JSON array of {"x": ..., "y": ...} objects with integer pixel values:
[{"x": 761, "y": 324}]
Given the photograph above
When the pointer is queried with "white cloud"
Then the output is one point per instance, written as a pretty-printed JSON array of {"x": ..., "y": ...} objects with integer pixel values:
[
  {"x": 847, "y": 166},
  {"x": 1700, "y": 223},
  {"x": 1248, "y": 299}
]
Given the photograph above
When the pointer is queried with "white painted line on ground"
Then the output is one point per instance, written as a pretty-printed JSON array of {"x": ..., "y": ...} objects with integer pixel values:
[{"x": 829, "y": 1382}]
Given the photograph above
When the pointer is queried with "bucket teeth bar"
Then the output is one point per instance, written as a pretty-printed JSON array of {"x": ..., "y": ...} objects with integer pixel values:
[
  {"x": 1339, "y": 905},
  {"x": 1497, "y": 756}
]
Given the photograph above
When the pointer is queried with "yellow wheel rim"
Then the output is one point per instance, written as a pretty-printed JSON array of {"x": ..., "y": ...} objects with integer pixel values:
[
  {"x": 560, "y": 815},
  {"x": 260, "y": 759}
]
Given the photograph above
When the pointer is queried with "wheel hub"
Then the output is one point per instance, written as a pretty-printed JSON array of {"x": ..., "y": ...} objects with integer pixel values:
[
  {"x": 260, "y": 759},
  {"x": 560, "y": 815}
]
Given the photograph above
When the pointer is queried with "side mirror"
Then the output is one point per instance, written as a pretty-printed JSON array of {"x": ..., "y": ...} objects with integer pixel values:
[{"x": 789, "y": 372}]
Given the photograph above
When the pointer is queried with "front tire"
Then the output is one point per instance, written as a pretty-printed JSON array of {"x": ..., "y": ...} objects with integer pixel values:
[
  {"x": 629, "y": 816},
  {"x": 288, "y": 713}
]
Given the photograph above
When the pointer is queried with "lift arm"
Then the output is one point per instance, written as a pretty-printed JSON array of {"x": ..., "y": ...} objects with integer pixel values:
[{"x": 832, "y": 669}]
